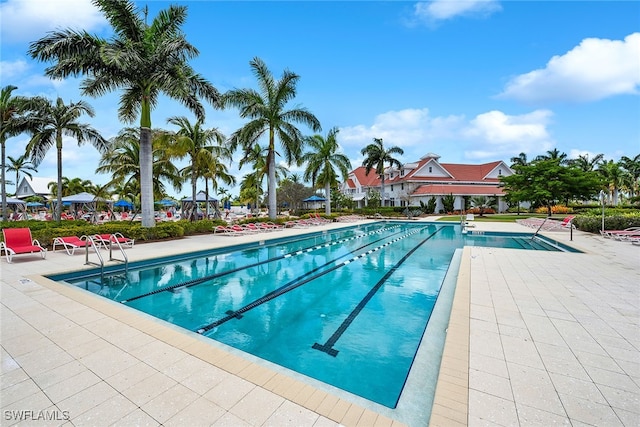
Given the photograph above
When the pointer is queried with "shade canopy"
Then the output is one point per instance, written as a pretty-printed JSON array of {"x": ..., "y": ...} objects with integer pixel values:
[
  {"x": 83, "y": 198},
  {"x": 123, "y": 204},
  {"x": 314, "y": 198},
  {"x": 201, "y": 196}
]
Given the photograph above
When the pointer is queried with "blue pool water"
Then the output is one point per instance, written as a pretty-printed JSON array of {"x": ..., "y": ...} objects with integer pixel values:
[{"x": 346, "y": 307}]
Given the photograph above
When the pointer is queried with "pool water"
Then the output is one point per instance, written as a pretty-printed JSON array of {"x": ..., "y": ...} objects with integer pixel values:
[{"x": 348, "y": 307}]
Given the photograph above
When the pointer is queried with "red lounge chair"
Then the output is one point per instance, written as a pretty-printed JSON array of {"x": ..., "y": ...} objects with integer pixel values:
[
  {"x": 71, "y": 243},
  {"x": 106, "y": 239},
  {"x": 19, "y": 241}
]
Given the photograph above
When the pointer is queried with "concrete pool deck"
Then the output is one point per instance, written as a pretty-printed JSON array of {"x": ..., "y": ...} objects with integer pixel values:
[{"x": 535, "y": 338}]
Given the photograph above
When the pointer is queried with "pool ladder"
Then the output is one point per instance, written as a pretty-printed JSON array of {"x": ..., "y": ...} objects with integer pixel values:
[{"x": 96, "y": 248}]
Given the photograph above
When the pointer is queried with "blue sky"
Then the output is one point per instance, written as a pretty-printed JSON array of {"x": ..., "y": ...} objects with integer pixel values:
[{"x": 473, "y": 81}]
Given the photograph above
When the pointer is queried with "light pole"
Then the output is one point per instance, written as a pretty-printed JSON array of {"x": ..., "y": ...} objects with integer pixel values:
[{"x": 602, "y": 201}]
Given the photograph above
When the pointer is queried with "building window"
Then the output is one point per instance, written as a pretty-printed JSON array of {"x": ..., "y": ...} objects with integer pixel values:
[
  {"x": 402, "y": 186},
  {"x": 499, "y": 172},
  {"x": 401, "y": 172},
  {"x": 430, "y": 169},
  {"x": 392, "y": 188},
  {"x": 392, "y": 202}
]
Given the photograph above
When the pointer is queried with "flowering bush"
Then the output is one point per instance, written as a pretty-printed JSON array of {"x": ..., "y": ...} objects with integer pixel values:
[{"x": 557, "y": 209}]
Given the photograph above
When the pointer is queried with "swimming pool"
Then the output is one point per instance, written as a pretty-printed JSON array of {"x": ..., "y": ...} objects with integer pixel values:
[{"x": 335, "y": 306}]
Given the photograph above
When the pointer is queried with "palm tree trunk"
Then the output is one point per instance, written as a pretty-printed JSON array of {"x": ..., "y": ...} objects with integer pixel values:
[
  {"x": 5, "y": 210},
  {"x": 146, "y": 177},
  {"x": 271, "y": 184},
  {"x": 193, "y": 194},
  {"x": 327, "y": 193},
  {"x": 58, "y": 214},
  {"x": 382, "y": 190}
]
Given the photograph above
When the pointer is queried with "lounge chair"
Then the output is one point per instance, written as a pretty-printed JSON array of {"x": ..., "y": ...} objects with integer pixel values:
[
  {"x": 553, "y": 224},
  {"x": 608, "y": 234},
  {"x": 71, "y": 243},
  {"x": 106, "y": 239},
  {"x": 19, "y": 241}
]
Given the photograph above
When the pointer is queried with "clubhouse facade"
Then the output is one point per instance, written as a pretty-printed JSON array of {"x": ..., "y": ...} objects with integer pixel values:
[{"x": 420, "y": 181}]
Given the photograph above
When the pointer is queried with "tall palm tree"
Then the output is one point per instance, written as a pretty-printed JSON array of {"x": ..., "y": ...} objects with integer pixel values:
[
  {"x": 267, "y": 115},
  {"x": 12, "y": 124},
  {"x": 322, "y": 162},
  {"x": 123, "y": 159},
  {"x": 195, "y": 142},
  {"x": 376, "y": 156},
  {"x": 144, "y": 60},
  {"x": 53, "y": 120},
  {"x": 215, "y": 170},
  {"x": 21, "y": 164}
]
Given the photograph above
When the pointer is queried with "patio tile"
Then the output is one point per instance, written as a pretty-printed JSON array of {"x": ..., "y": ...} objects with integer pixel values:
[
  {"x": 71, "y": 385},
  {"x": 108, "y": 412},
  {"x": 490, "y": 410},
  {"x": 169, "y": 403},
  {"x": 589, "y": 412},
  {"x": 89, "y": 398},
  {"x": 257, "y": 406},
  {"x": 229, "y": 391},
  {"x": 141, "y": 392},
  {"x": 202, "y": 412},
  {"x": 137, "y": 418}
]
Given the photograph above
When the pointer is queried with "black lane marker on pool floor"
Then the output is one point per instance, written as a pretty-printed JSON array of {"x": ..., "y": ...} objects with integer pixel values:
[
  {"x": 204, "y": 279},
  {"x": 327, "y": 347},
  {"x": 297, "y": 283}
]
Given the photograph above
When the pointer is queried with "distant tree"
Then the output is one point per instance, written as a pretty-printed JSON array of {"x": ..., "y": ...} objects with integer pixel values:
[
  {"x": 584, "y": 163},
  {"x": 324, "y": 164},
  {"x": 377, "y": 157},
  {"x": 293, "y": 193},
  {"x": 144, "y": 60},
  {"x": 13, "y": 123},
  {"x": 483, "y": 203},
  {"x": 53, "y": 120},
  {"x": 519, "y": 160},
  {"x": 615, "y": 178},
  {"x": 267, "y": 116},
  {"x": 20, "y": 164},
  {"x": 632, "y": 166},
  {"x": 192, "y": 140},
  {"x": 122, "y": 162},
  {"x": 547, "y": 182},
  {"x": 372, "y": 198},
  {"x": 554, "y": 155}
]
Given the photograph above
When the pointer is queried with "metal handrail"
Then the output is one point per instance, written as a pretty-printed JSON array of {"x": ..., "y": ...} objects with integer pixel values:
[
  {"x": 539, "y": 228},
  {"x": 112, "y": 240},
  {"x": 97, "y": 251}
]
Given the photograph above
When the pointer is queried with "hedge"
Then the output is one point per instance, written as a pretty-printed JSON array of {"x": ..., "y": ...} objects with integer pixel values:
[{"x": 593, "y": 223}]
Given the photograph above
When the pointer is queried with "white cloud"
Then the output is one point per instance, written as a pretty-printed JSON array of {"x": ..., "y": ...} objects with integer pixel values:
[
  {"x": 28, "y": 20},
  {"x": 593, "y": 70},
  {"x": 9, "y": 70},
  {"x": 455, "y": 138},
  {"x": 501, "y": 135},
  {"x": 442, "y": 10}
]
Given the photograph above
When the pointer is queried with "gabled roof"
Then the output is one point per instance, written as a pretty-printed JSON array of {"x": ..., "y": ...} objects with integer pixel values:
[
  {"x": 371, "y": 180},
  {"x": 36, "y": 185}
]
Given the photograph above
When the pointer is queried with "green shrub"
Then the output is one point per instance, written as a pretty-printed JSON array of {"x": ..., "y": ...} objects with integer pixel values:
[{"x": 593, "y": 223}]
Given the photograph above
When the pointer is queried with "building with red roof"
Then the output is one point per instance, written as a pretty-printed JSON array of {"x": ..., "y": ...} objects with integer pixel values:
[{"x": 420, "y": 181}]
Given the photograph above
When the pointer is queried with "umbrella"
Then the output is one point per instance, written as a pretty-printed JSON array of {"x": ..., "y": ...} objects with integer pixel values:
[
  {"x": 166, "y": 202},
  {"x": 123, "y": 204},
  {"x": 34, "y": 204},
  {"x": 314, "y": 198}
]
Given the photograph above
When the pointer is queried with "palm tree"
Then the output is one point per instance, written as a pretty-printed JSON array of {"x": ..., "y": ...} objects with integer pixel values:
[
  {"x": 21, "y": 164},
  {"x": 632, "y": 165},
  {"x": 614, "y": 176},
  {"x": 267, "y": 115},
  {"x": 322, "y": 162},
  {"x": 376, "y": 157},
  {"x": 215, "y": 170},
  {"x": 519, "y": 160},
  {"x": 584, "y": 163},
  {"x": 53, "y": 120},
  {"x": 554, "y": 155},
  {"x": 12, "y": 123},
  {"x": 144, "y": 60},
  {"x": 123, "y": 159},
  {"x": 194, "y": 141}
]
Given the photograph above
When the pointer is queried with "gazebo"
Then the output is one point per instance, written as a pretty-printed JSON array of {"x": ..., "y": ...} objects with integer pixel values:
[
  {"x": 84, "y": 202},
  {"x": 189, "y": 208},
  {"x": 17, "y": 205}
]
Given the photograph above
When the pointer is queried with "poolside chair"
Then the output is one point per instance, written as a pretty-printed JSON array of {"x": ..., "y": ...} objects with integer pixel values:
[
  {"x": 71, "y": 243},
  {"x": 608, "y": 234},
  {"x": 553, "y": 224},
  {"x": 106, "y": 239},
  {"x": 18, "y": 241}
]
